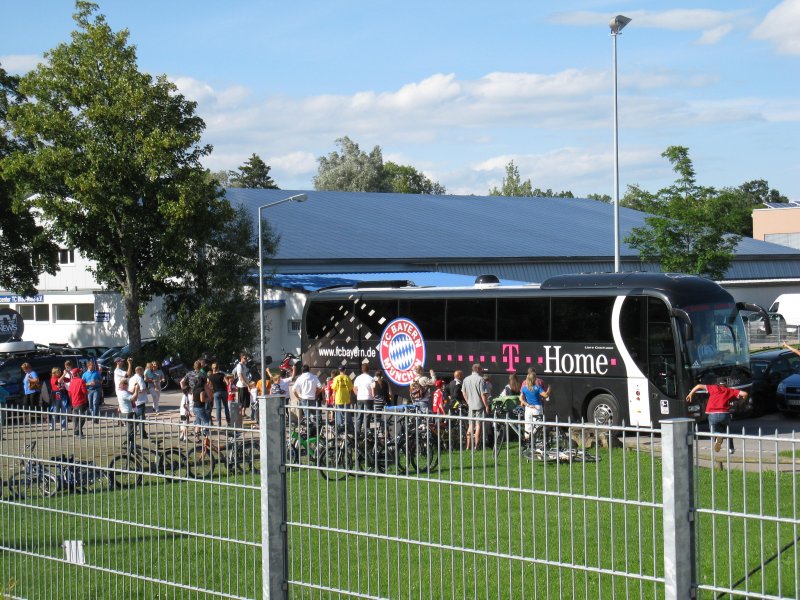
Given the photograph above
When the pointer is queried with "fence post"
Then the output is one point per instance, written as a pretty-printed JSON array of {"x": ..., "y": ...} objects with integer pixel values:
[
  {"x": 274, "y": 547},
  {"x": 677, "y": 484}
]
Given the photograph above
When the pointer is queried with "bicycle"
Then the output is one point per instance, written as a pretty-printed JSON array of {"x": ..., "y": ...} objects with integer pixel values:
[
  {"x": 301, "y": 443},
  {"x": 422, "y": 444},
  {"x": 80, "y": 476},
  {"x": 35, "y": 480},
  {"x": 127, "y": 470},
  {"x": 238, "y": 456},
  {"x": 506, "y": 414}
]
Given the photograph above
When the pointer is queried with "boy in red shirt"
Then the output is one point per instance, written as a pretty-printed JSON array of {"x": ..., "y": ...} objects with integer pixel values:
[
  {"x": 438, "y": 398},
  {"x": 719, "y": 401}
]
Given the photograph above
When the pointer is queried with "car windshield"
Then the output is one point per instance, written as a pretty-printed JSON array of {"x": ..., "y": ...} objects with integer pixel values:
[{"x": 719, "y": 336}]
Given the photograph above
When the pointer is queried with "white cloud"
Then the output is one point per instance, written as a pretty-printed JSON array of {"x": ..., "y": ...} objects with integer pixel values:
[
  {"x": 713, "y": 24},
  {"x": 19, "y": 64},
  {"x": 460, "y": 132},
  {"x": 714, "y": 35},
  {"x": 294, "y": 163},
  {"x": 781, "y": 26},
  {"x": 202, "y": 92}
]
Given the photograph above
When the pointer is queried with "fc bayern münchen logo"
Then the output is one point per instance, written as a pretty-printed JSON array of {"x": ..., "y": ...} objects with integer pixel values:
[{"x": 402, "y": 349}]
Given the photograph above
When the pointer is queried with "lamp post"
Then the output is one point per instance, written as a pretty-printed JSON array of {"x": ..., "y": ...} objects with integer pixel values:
[
  {"x": 295, "y": 198},
  {"x": 617, "y": 24}
]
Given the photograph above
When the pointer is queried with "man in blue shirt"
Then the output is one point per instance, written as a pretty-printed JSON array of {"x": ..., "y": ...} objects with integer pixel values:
[{"x": 94, "y": 388}]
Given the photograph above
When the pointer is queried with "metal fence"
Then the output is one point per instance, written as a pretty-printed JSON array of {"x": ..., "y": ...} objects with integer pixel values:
[
  {"x": 131, "y": 509},
  {"x": 401, "y": 509}
]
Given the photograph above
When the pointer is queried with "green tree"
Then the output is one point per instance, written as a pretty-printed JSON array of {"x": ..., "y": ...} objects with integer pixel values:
[
  {"x": 689, "y": 230},
  {"x": 115, "y": 158},
  {"x": 512, "y": 184},
  {"x": 742, "y": 200},
  {"x": 352, "y": 170},
  {"x": 405, "y": 179},
  {"x": 253, "y": 174},
  {"x": 214, "y": 311},
  {"x": 601, "y": 198},
  {"x": 26, "y": 250}
]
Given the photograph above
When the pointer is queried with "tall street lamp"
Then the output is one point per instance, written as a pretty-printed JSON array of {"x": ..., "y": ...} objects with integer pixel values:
[
  {"x": 617, "y": 24},
  {"x": 295, "y": 198}
]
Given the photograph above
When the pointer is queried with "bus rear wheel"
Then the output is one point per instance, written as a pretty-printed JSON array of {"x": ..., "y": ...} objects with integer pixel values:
[{"x": 603, "y": 409}]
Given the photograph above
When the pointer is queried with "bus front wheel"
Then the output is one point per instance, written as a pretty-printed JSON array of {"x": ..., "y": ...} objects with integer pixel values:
[{"x": 603, "y": 409}]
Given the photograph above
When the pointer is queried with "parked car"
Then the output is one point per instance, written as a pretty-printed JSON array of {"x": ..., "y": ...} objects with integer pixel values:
[
  {"x": 788, "y": 395},
  {"x": 173, "y": 368},
  {"x": 11, "y": 372},
  {"x": 769, "y": 369}
]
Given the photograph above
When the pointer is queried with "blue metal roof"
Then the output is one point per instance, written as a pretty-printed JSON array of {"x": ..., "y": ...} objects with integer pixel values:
[
  {"x": 362, "y": 231},
  {"x": 314, "y": 281}
]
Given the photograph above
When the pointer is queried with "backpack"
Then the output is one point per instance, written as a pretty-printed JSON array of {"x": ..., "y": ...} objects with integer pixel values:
[{"x": 416, "y": 391}]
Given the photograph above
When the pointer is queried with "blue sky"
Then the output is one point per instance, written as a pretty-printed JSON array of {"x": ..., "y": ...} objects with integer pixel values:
[{"x": 458, "y": 89}]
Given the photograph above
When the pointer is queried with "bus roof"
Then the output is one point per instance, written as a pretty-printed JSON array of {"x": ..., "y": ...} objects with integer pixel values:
[{"x": 682, "y": 289}]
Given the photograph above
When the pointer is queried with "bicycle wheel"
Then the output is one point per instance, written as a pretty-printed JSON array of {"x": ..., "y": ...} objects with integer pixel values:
[
  {"x": 334, "y": 461},
  {"x": 125, "y": 471},
  {"x": 251, "y": 457},
  {"x": 424, "y": 452},
  {"x": 173, "y": 463},
  {"x": 94, "y": 479},
  {"x": 499, "y": 438},
  {"x": 201, "y": 462}
]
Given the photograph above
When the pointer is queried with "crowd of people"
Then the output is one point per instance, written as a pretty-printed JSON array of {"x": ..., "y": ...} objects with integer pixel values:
[{"x": 208, "y": 394}]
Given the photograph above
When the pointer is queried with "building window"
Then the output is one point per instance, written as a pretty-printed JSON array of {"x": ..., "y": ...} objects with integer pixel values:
[
  {"x": 83, "y": 313},
  {"x": 66, "y": 256},
  {"x": 295, "y": 326},
  {"x": 34, "y": 312}
]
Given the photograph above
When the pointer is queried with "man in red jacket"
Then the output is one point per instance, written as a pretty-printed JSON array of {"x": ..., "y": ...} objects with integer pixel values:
[
  {"x": 719, "y": 401},
  {"x": 79, "y": 398}
]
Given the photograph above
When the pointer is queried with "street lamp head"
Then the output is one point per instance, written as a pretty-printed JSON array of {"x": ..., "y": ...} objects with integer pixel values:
[
  {"x": 618, "y": 23},
  {"x": 299, "y": 198}
]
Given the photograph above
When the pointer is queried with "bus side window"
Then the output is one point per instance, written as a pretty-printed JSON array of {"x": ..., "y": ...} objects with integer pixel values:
[
  {"x": 523, "y": 319},
  {"x": 471, "y": 319},
  {"x": 428, "y": 315},
  {"x": 329, "y": 319}
]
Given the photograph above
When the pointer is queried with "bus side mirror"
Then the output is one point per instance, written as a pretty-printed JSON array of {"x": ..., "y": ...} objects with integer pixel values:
[
  {"x": 686, "y": 323},
  {"x": 757, "y": 309}
]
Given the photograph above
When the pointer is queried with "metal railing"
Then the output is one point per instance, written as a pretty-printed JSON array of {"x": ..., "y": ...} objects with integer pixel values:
[
  {"x": 401, "y": 508},
  {"x": 128, "y": 508}
]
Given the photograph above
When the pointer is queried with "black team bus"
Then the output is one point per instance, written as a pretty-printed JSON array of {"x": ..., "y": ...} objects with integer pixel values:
[{"x": 616, "y": 348}]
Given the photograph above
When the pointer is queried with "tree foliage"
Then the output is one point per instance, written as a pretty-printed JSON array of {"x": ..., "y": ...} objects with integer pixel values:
[
  {"x": 253, "y": 174},
  {"x": 689, "y": 230},
  {"x": 213, "y": 311},
  {"x": 115, "y": 159},
  {"x": 354, "y": 170},
  {"x": 405, "y": 179},
  {"x": 26, "y": 250},
  {"x": 351, "y": 169},
  {"x": 514, "y": 186},
  {"x": 600, "y": 198}
]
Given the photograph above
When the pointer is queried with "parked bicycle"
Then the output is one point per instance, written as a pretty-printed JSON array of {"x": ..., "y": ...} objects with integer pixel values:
[
  {"x": 127, "y": 470},
  {"x": 80, "y": 476},
  {"x": 239, "y": 456},
  {"x": 303, "y": 443},
  {"x": 35, "y": 480}
]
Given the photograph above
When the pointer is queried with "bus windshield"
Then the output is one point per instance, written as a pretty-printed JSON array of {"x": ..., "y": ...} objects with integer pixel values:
[{"x": 719, "y": 336}]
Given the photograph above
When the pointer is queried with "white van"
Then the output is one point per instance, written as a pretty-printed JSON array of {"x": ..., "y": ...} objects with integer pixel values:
[{"x": 787, "y": 305}]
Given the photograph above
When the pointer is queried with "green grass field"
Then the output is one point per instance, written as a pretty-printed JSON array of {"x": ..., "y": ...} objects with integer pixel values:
[{"x": 474, "y": 527}]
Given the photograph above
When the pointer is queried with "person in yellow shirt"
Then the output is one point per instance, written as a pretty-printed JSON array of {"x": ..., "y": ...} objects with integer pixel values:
[{"x": 342, "y": 390}]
